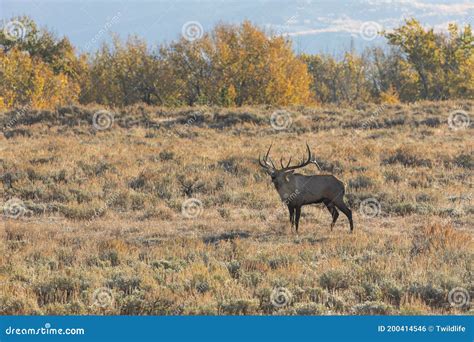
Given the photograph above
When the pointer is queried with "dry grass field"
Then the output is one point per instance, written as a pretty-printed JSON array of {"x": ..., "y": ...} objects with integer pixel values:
[{"x": 99, "y": 221}]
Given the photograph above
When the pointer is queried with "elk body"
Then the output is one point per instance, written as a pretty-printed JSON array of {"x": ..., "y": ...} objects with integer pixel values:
[{"x": 297, "y": 190}]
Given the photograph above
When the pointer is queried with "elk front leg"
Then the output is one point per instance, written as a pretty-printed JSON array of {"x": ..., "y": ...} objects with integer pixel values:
[
  {"x": 297, "y": 218},
  {"x": 292, "y": 216}
]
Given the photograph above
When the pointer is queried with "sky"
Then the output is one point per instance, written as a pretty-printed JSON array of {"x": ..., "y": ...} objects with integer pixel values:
[{"x": 314, "y": 26}]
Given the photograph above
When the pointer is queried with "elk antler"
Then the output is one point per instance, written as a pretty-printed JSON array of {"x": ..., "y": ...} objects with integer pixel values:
[
  {"x": 264, "y": 162},
  {"x": 281, "y": 163},
  {"x": 302, "y": 164}
]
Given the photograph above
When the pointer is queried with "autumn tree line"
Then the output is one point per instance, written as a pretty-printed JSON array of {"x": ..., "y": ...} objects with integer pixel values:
[{"x": 233, "y": 66}]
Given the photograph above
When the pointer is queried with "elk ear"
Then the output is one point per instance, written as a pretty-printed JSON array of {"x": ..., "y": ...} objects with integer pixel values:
[{"x": 287, "y": 175}]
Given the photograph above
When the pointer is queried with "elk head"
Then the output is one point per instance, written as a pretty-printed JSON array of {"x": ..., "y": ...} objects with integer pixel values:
[{"x": 283, "y": 178}]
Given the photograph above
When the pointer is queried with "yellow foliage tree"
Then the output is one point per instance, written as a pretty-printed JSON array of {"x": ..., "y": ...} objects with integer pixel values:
[
  {"x": 239, "y": 65},
  {"x": 30, "y": 82},
  {"x": 389, "y": 96},
  {"x": 233, "y": 65}
]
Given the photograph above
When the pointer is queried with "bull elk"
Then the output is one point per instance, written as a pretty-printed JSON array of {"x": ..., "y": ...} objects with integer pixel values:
[{"x": 297, "y": 190}]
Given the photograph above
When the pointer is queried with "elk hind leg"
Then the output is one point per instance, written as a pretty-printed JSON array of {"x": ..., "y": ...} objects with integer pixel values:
[
  {"x": 343, "y": 207},
  {"x": 334, "y": 213}
]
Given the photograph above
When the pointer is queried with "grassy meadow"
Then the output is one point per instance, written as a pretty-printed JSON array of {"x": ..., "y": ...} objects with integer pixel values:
[{"x": 166, "y": 212}]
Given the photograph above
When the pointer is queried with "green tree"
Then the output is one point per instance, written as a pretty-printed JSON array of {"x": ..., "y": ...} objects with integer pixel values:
[
  {"x": 343, "y": 81},
  {"x": 436, "y": 58},
  {"x": 123, "y": 74}
]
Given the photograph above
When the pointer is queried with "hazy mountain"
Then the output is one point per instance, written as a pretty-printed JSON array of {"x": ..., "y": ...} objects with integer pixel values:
[{"x": 314, "y": 26}]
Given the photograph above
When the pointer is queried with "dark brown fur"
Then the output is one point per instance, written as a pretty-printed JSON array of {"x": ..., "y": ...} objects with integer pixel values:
[{"x": 297, "y": 190}]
